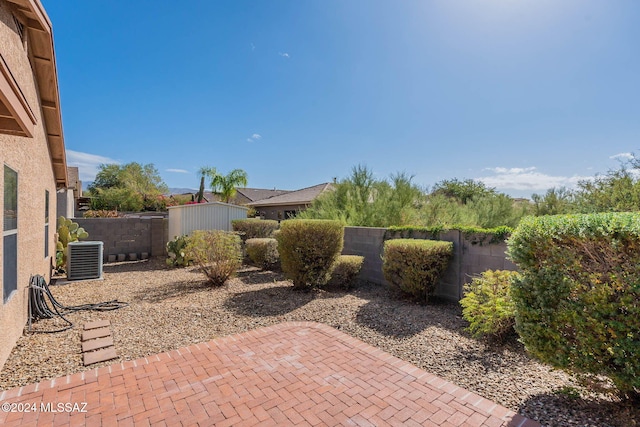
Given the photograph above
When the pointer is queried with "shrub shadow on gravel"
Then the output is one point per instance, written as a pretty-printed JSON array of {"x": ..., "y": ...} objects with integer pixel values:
[
  {"x": 259, "y": 277},
  {"x": 275, "y": 301},
  {"x": 397, "y": 318},
  {"x": 491, "y": 356},
  {"x": 172, "y": 290},
  {"x": 559, "y": 409}
]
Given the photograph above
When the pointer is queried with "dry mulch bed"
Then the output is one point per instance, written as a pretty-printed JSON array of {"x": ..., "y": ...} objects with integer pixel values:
[{"x": 171, "y": 308}]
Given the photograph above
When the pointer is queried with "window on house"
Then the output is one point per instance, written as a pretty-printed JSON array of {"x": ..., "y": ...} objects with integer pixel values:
[
  {"x": 10, "y": 234},
  {"x": 46, "y": 223}
]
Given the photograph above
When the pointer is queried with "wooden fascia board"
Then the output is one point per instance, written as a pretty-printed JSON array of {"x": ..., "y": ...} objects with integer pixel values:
[
  {"x": 15, "y": 101},
  {"x": 268, "y": 205},
  {"x": 39, "y": 26}
]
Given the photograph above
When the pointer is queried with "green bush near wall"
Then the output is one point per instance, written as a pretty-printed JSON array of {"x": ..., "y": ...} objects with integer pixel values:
[
  {"x": 578, "y": 297},
  {"x": 487, "y": 304},
  {"x": 263, "y": 252},
  {"x": 415, "y": 265},
  {"x": 308, "y": 249},
  {"x": 345, "y": 271}
]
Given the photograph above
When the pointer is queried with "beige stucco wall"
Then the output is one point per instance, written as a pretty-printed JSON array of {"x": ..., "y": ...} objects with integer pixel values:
[
  {"x": 30, "y": 158},
  {"x": 277, "y": 212}
]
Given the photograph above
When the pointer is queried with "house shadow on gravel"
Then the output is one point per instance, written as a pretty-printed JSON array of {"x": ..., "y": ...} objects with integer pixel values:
[
  {"x": 401, "y": 318},
  {"x": 131, "y": 266},
  {"x": 171, "y": 290},
  {"x": 274, "y": 301},
  {"x": 560, "y": 409}
]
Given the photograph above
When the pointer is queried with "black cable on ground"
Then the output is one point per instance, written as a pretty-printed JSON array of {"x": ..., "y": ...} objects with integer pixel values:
[{"x": 40, "y": 308}]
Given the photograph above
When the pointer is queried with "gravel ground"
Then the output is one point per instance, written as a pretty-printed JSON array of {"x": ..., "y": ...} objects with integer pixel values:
[{"x": 171, "y": 308}]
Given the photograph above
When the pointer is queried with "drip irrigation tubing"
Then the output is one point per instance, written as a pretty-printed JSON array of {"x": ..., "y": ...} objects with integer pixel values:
[{"x": 43, "y": 305}]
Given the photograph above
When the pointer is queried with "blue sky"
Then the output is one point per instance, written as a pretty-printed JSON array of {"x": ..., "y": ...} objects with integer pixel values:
[{"x": 524, "y": 95}]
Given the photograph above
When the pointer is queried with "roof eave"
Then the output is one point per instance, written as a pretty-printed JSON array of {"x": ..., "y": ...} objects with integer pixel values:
[
  {"x": 42, "y": 54},
  {"x": 258, "y": 204}
]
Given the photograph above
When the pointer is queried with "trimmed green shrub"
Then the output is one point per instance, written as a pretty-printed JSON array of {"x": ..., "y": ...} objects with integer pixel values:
[
  {"x": 263, "y": 252},
  {"x": 415, "y": 265},
  {"x": 345, "y": 270},
  {"x": 254, "y": 228},
  {"x": 103, "y": 213},
  {"x": 217, "y": 253},
  {"x": 308, "y": 248},
  {"x": 176, "y": 251},
  {"x": 487, "y": 304},
  {"x": 475, "y": 235},
  {"x": 578, "y": 298}
]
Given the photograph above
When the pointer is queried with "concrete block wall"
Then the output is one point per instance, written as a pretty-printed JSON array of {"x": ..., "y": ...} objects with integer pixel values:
[
  {"x": 128, "y": 235},
  {"x": 449, "y": 285},
  {"x": 471, "y": 256},
  {"x": 366, "y": 242},
  {"x": 481, "y": 257}
]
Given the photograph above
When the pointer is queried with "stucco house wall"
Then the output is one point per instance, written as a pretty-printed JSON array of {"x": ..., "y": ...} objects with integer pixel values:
[
  {"x": 278, "y": 212},
  {"x": 31, "y": 157}
]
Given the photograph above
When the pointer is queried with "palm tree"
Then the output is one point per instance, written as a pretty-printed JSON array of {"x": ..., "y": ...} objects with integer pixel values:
[
  {"x": 200, "y": 195},
  {"x": 224, "y": 186}
]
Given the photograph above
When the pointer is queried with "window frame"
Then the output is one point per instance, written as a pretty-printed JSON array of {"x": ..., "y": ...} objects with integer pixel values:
[
  {"x": 8, "y": 289},
  {"x": 46, "y": 222}
]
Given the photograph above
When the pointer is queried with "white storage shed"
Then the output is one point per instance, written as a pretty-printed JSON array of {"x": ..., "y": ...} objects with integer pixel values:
[{"x": 203, "y": 216}]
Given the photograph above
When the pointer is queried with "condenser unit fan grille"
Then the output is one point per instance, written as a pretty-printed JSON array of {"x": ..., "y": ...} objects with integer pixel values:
[{"x": 84, "y": 260}]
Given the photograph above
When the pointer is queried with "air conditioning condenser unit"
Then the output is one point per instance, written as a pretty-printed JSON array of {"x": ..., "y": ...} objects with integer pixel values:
[{"x": 84, "y": 260}]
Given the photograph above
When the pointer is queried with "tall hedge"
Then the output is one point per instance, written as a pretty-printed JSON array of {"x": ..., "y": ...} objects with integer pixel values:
[
  {"x": 308, "y": 249},
  {"x": 578, "y": 298},
  {"x": 415, "y": 265}
]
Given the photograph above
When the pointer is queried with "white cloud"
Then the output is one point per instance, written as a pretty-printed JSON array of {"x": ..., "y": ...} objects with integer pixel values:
[
  {"x": 177, "y": 170},
  {"x": 87, "y": 163},
  {"x": 254, "y": 138},
  {"x": 284, "y": 55},
  {"x": 253, "y": 47},
  {"x": 622, "y": 156},
  {"x": 527, "y": 179},
  {"x": 499, "y": 170}
]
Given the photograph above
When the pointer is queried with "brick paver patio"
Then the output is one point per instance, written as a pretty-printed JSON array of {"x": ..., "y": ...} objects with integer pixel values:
[{"x": 291, "y": 374}]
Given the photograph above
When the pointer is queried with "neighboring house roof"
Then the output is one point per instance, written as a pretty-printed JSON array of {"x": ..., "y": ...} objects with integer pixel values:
[
  {"x": 73, "y": 176},
  {"x": 255, "y": 194},
  {"x": 40, "y": 32},
  {"x": 298, "y": 197},
  {"x": 247, "y": 194}
]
